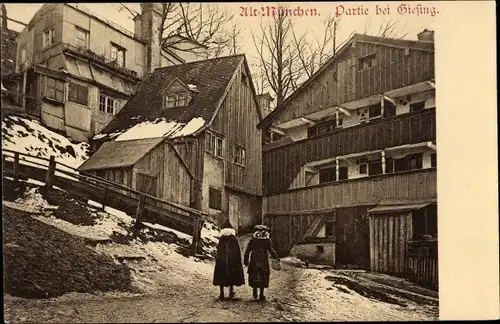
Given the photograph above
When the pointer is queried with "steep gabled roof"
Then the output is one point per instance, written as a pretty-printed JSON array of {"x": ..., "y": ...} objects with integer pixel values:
[
  {"x": 402, "y": 43},
  {"x": 211, "y": 77}
]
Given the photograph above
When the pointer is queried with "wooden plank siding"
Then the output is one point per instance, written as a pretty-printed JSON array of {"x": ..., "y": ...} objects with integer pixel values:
[
  {"x": 422, "y": 265},
  {"x": 237, "y": 121},
  {"x": 174, "y": 180},
  {"x": 282, "y": 164},
  {"x": 389, "y": 237},
  {"x": 357, "y": 192},
  {"x": 342, "y": 81}
]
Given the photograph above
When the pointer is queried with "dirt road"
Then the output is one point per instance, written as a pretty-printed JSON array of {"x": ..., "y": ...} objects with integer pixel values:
[{"x": 295, "y": 294}]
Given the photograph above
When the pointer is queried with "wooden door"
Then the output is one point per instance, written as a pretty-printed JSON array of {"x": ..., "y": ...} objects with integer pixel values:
[{"x": 234, "y": 210}]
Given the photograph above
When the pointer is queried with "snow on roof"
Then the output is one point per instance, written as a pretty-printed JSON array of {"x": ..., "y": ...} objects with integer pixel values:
[
  {"x": 193, "y": 87},
  {"x": 3, "y": 88},
  {"x": 161, "y": 128}
]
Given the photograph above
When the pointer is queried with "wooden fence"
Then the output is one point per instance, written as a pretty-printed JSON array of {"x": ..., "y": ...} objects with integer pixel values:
[
  {"x": 422, "y": 266},
  {"x": 87, "y": 186}
]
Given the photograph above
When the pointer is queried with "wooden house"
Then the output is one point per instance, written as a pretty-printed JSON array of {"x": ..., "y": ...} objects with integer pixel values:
[
  {"x": 203, "y": 148},
  {"x": 85, "y": 67},
  {"x": 351, "y": 177}
]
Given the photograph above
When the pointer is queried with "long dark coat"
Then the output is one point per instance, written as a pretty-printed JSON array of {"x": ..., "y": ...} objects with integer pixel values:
[
  {"x": 257, "y": 260},
  {"x": 228, "y": 268}
]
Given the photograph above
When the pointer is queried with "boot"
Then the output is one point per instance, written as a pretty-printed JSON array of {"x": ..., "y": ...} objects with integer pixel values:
[
  {"x": 261, "y": 296},
  {"x": 231, "y": 292},
  {"x": 255, "y": 296},
  {"x": 221, "y": 296}
]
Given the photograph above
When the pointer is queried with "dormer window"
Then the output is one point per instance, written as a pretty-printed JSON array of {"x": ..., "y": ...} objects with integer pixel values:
[{"x": 175, "y": 100}]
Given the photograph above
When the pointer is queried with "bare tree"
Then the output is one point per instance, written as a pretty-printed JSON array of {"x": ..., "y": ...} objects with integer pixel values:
[
  {"x": 277, "y": 56},
  {"x": 205, "y": 25},
  {"x": 388, "y": 29},
  {"x": 235, "y": 47},
  {"x": 313, "y": 54}
]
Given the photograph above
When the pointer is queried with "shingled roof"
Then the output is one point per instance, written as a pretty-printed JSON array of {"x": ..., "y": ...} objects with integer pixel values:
[{"x": 211, "y": 78}]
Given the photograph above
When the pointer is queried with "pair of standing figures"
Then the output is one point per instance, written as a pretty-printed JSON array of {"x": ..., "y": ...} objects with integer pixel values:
[{"x": 228, "y": 268}]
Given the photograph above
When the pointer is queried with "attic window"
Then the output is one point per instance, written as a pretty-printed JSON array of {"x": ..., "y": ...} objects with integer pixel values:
[
  {"x": 48, "y": 37},
  {"x": 175, "y": 100},
  {"x": 367, "y": 62}
]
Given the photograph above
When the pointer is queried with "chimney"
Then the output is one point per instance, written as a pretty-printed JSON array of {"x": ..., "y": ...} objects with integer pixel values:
[
  {"x": 426, "y": 36},
  {"x": 146, "y": 27},
  {"x": 264, "y": 100}
]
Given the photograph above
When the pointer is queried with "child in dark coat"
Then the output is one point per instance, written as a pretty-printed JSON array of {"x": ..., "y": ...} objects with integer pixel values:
[
  {"x": 257, "y": 260},
  {"x": 228, "y": 268}
]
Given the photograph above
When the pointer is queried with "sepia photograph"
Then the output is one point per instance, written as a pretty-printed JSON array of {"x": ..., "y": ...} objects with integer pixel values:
[{"x": 222, "y": 162}]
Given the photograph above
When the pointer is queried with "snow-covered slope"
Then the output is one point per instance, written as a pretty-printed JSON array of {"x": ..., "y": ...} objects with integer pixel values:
[{"x": 29, "y": 136}]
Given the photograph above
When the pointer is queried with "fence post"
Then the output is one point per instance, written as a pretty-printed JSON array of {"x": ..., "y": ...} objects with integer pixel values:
[
  {"x": 196, "y": 234},
  {"x": 139, "y": 211},
  {"x": 105, "y": 199},
  {"x": 16, "y": 166},
  {"x": 49, "y": 179}
]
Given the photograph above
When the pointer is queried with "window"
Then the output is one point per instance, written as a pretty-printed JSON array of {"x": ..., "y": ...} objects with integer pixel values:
[
  {"x": 389, "y": 109},
  {"x": 414, "y": 161},
  {"x": 322, "y": 128},
  {"x": 107, "y": 104},
  {"x": 410, "y": 162},
  {"x": 239, "y": 156},
  {"x": 48, "y": 37},
  {"x": 215, "y": 198},
  {"x": 175, "y": 100},
  {"x": 214, "y": 145},
  {"x": 78, "y": 93},
  {"x": 118, "y": 54},
  {"x": 375, "y": 167},
  {"x": 363, "y": 168},
  {"x": 433, "y": 160},
  {"x": 424, "y": 222},
  {"x": 327, "y": 175},
  {"x": 343, "y": 173},
  {"x": 54, "y": 89},
  {"x": 417, "y": 106},
  {"x": 367, "y": 62},
  {"x": 82, "y": 37},
  {"x": 374, "y": 111},
  {"x": 330, "y": 226}
]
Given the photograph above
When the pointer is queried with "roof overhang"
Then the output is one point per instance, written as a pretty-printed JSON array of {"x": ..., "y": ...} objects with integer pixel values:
[
  {"x": 410, "y": 148},
  {"x": 397, "y": 208},
  {"x": 411, "y": 89}
]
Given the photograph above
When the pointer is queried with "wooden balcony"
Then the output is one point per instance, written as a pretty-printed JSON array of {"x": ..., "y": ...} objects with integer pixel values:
[
  {"x": 281, "y": 164},
  {"x": 417, "y": 185}
]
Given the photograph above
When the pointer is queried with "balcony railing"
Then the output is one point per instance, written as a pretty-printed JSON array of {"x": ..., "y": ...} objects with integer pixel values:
[
  {"x": 416, "y": 185},
  {"x": 282, "y": 164},
  {"x": 101, "y": 58}
]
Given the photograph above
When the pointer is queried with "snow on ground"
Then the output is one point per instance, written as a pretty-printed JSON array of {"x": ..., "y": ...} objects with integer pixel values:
[
  {"x": 30, "y": 137},
  {"x": 158, "y": 128},
  {"x": 313, "y": 287},
  {"x": 33, "y": 201}
]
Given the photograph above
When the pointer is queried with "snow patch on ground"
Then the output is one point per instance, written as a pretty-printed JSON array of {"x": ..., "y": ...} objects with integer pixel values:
[
  {"x": 30, "y": 137},
  {"x": 33, "y": 201}
]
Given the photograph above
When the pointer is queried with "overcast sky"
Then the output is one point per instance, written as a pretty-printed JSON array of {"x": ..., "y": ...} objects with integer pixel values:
[{"x": 410, "y": 24}]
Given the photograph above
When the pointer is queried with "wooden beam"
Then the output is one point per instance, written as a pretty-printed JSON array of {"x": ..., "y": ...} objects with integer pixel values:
[
  {"x": 179, "y": 156},
  {"x": 138, "y": 213},
  {"x": 277, "y": 130},
  {"x": 344, "y": 111},
  {"x": 307, "y": 120},
  {"x": 385, "y": 97},
  {"x": 16, "y": 21}
]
